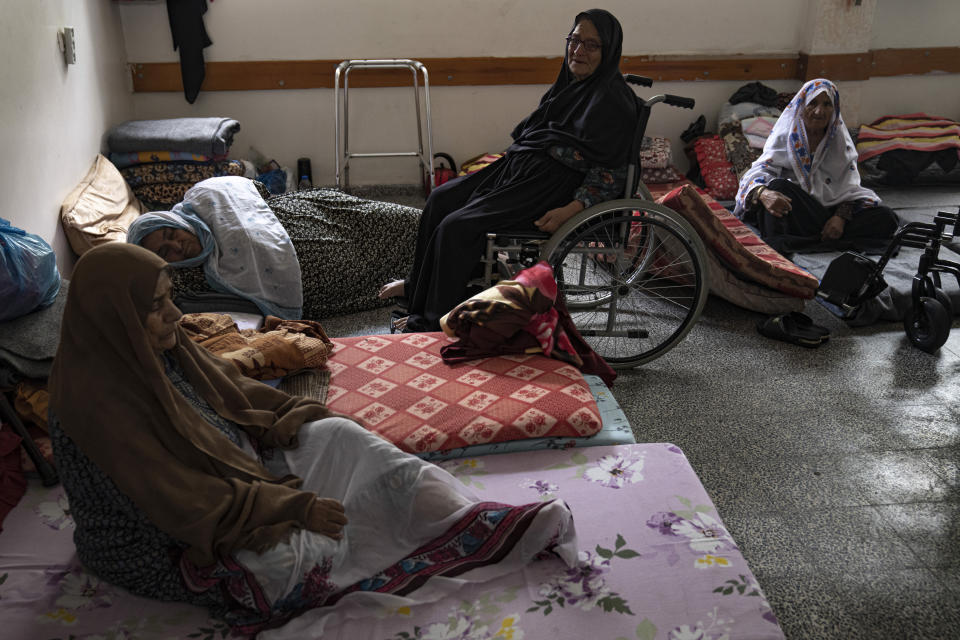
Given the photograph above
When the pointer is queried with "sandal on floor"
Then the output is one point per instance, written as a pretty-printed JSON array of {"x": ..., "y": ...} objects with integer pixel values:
[
  {"x": 786, "y": 329},
  {"x": 806, "y": 322},
  {"x": 398, "y": 320}
]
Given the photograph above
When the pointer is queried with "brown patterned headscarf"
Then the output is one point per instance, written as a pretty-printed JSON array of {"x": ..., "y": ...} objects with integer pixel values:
[{"x": 111, "y": 395}]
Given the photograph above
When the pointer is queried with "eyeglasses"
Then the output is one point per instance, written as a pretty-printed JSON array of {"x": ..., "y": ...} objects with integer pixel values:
[{"x": 590, "y": 46}]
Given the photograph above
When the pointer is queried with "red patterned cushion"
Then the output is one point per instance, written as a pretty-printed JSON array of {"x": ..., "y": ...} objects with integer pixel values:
[
  {"x": 660, "y": 190},
  {"x": 398, "y": 387},
  {"x": 717, "y": 171},
  {"x": 736, "y": 246}
]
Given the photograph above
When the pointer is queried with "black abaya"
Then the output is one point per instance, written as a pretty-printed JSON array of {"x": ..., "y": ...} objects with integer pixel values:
[
  {"x": 869, "y": 230},
  {"x": 593, "y": 115},
  {"x": 506, "y": 196}
]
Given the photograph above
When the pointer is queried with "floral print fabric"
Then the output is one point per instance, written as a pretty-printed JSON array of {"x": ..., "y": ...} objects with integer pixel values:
[
  {"x": 664, "y": 569},
  {"x": 160, "y": 185},
  {"x": 599, "y": 184}
]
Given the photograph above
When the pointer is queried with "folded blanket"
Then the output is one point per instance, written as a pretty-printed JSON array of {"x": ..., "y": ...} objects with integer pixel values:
[
  {"x": 743, "y": 110},
  {"x": 29, "y": 343},
  {"x": 520, "y": 316},
  {"x": 160, "y": 185},
  {"x": 278, "y": 349},
  {"x": 207, "y": 136},
  {"x": 912, "y": 131},
  {"x": 179, "y": 172},
  {"x": 122, "y": 160}
]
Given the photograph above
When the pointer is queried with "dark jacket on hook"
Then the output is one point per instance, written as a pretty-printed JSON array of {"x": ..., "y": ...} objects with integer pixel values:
[{"x": 190, "y": 37}]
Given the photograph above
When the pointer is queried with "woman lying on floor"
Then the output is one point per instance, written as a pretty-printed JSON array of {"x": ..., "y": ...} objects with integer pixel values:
[
  {"x": 804, "y": 191},
  {"x": 569, "y": 154},
  {"x": 318, "y": 252},
  {"x": 191, "y": 482}
]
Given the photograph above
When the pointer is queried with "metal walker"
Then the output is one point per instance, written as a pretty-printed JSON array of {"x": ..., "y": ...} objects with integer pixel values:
[{"x": 342, "y": 155}]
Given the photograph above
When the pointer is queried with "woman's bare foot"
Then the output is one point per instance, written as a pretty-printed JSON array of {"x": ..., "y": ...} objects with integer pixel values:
[{"x": 393, "y": 289}]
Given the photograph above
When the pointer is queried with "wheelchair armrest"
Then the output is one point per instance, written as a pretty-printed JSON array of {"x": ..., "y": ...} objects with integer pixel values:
[{"x": 527, "y": 235}]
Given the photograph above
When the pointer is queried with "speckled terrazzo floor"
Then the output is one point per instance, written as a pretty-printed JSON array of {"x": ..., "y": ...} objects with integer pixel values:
[{"x": 836, "y": 469}]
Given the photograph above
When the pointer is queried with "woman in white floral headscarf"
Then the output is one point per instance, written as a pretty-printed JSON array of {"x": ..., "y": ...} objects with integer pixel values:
[{"x": 804, "y": 191}]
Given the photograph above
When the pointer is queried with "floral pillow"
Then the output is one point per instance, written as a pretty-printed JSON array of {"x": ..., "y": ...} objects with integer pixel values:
[
  {"x": 655, "y": 153},
  {"x": 739, "y": 152},
  {"x": 718, "y": 173}
]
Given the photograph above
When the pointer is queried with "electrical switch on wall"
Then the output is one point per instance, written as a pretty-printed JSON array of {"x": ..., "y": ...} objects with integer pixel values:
[{"x": 68, "y": 45}]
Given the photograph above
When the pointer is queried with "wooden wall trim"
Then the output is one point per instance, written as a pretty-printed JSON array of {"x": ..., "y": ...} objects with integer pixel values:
[
  {"x": 319, "y": 74},
  {"x": 693, "y": 68},
  {"x": 838, "y": 67},
  {"x": 901, "y": 62}
]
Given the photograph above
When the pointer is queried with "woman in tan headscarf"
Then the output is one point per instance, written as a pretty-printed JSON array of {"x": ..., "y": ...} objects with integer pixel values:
[{"x": 189, "y": 482}]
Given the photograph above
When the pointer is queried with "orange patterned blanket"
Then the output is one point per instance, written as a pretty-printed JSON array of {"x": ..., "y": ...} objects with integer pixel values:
[{"x": 280, "y": 348}]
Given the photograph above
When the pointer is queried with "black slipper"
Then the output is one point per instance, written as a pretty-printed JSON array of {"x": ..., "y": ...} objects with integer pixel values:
[
  {"x": 784, "y": 328},
  {"x": 804, "y": 321}
]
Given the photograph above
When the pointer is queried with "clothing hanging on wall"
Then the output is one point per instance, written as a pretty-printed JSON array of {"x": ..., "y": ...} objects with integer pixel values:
[{"x": 190, "y": 37}]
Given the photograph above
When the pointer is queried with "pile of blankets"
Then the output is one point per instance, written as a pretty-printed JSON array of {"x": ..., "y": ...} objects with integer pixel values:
[
  {"x": 162, "y": 159},
  {"x": 913, "y": 148},
  {"x": 718, "y": 160}
]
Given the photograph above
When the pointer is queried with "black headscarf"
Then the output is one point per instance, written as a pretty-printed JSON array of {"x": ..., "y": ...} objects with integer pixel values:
[{"x": 595, "y": 115}]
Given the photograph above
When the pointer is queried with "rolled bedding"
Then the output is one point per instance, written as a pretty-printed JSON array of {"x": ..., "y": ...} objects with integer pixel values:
[{"x": 207, "y": 136}]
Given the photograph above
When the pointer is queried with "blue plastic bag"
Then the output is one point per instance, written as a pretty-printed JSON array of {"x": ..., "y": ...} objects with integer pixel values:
[
  {"x": 275, "y": 181},
  {"x": 29, "y": 278}
]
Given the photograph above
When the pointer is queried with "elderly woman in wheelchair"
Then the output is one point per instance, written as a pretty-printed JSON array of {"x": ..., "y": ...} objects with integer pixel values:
[{"x": 632, "y": 272}]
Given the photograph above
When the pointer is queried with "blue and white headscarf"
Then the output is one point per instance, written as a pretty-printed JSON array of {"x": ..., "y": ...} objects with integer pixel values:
[
  {"x": 246, "y": 251},
  {"x": 829, "y": 174}
]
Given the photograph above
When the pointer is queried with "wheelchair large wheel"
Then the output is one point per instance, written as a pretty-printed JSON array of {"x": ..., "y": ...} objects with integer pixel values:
[{"x": 633, "y": 275}]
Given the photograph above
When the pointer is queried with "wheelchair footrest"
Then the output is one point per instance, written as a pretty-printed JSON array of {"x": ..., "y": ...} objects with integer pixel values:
[{"x": 633, "y": 334}]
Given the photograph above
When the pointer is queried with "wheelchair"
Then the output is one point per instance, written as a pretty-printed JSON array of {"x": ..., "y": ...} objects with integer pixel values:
[
  {"x": 852, "y": 278},
  {"x": 632, "y": 273}
]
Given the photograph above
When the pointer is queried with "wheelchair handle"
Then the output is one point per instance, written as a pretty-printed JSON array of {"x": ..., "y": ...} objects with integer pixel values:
[
  {"x": 675, "y": 101},
  {"x": 642, "y": 81},
  {"x": 679, "y": 101}
]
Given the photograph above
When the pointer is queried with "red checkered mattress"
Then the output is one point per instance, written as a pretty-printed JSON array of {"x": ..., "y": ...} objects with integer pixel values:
[{"x": 399, "y": 387}]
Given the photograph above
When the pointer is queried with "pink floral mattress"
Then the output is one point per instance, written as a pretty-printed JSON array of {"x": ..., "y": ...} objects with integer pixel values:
[
  {"x": 399, "y": 387},
  {"x": 665, "y": 567}
]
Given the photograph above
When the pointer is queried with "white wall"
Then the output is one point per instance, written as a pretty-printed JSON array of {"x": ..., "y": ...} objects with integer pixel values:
[
  {"x": 466, "y": 120},
  {"x": 308, "y": 29},
  {"x": 915, "y": 23},
  {"x": 54, "y": 116}
]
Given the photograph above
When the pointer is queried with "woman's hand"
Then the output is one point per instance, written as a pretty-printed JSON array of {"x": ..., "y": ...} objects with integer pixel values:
[
  {"x": 833, "y": 229},
  {"x": 552, "y": 219},
  {"x": 775, "y": 202},
  {"x": 327, "y": 517}
]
